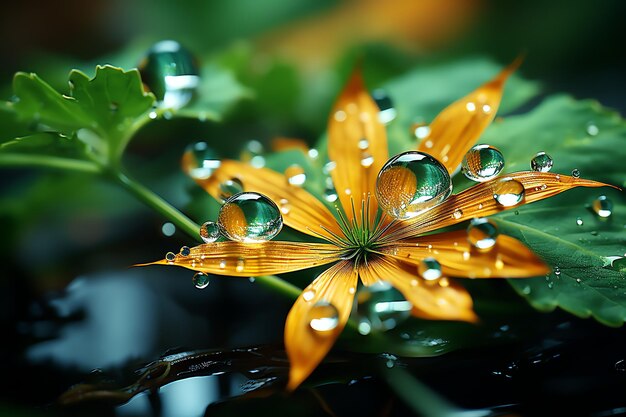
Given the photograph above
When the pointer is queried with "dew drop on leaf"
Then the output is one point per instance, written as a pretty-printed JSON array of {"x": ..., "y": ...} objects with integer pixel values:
[
  {"x": 541, "y": 162},
  {"x": 508, "y": 192},
  {"x": 482, "y": 163},
  {"x": 411, "y": 183},
  {"x": 602, "y": 206},
  {"x": 209, "y": 232},
  {"x": 200, "y": 280},
  {"x": 323, "y": 317},
  {"x": 249, "y": 217},
  {"x": 482, "y": 233},
  {"x": 579, "y": 221}
]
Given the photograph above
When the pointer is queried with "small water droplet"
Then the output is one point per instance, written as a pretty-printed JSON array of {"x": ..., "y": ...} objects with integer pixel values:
[
  {"x": 550, "y": 284},
  {"x": 364, "y": 144},
  {"x": 387, "y": 112},
  {"x": 575, "y": 173},
  {"x": 382, "y": 307},
  {"x": 594, "y": 233},
  {"x": 170, "y": 256},
  {"x": 486, "y": 108},
  {"x": 411, "y": 183},
  {"x": 429, "y": 269},
  {"x": 579, "y": 221},
  {"x": 199, "y": 161},
  {"x": 458, "y": 213},
  {"x": 526, "y": 290},
  {"x": 168, "y": 229},
  {"x": 185, "y": 251},
  {"x": 482, "y": 233},
  {"x": 329, "y": 167},
  {"x": 295, "y": 175},
  {"x": 367, "y": 160},
  {"x": 241, "y": 264},
  {"x": 578, "y": 280},
  {"x": 308, "y": 295},
  {"x": 323, "y": 317},
  {"x": 470, "y": 106},
  {"x": 602, "y": 206},
  {"x": 251, "y": 279},
  {"x": 153, "y": 115},
  {"x": 313, "y": 153},
  {"x": 340, "y": 115},
  {"x": 249, "y": 217},
  {"x": 541, "y": 162},
  {"x": 330, "y": 194},
  {"x": 284, "y": 205},
  {"x": 508, "y": 192},
  {"x": 223, "y": 264},
  {"x": 209, "y": 232},
  {"x": 421, "y": 131},
  {"x": 230, "y": 187},
  {"x": 592, "y": 129},
  {"x": 200, "y": 280},
  {"x": 482, "y": 163},
  {"x": 444, "y": 282},
  {"x": 557, "y": 271}
]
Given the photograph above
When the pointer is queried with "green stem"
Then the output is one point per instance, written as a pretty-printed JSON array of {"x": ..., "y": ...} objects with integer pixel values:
[
  {"x": 45, "y": 161},
  {"x": 158, "y": 204},
  {"x": 279, "y": 285}
]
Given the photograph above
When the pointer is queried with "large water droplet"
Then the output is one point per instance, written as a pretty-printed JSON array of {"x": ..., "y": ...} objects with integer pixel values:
[
  {"x": 200, "y": 280},
  {"x": 249, "y": 217},
  {"x": 230, "y": 187},
  {"x": 295, "y": 175},
  {"x": 381, "y": 307},
  {"x": 508, "y": 192},
  {"x": 411, "y": 183},
  {"x": 323, "y": 317},
  {"x": 482, "y": 163},
  {"x": 171, "y": 73},
  {"x": 199, "y": 161},
  {"x": 602, "y": 206},
  {"x": 387, "y": 112},
  {"x": 482, "y": 233},
  {"x": 209, "y": 232},
  {"x": 541, "y": 162},
  {"x": 429, "y": 269}
]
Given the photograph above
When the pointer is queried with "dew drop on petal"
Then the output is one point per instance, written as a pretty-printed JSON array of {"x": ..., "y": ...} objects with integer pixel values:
[
  {"x": 284, "y": 205},
  {"x": 482, "y": 233},
  {"x": 200, "y": 161},
  {"x": 308, "y": 295},
  {"x": 230, "y": 187},
  {"x": 411, "y": 183},
  {"x": 295, "y": 175},
  {"x": 323, "y": 317},
  {"x": 366, "y": 159},
  {"x": 541, "y": 162},
  {"x": 429, "y": 269},
  {"x": 209, "y": 232},
  {"x": 249, "y": 217},
  {"x": 171, "y": 73},
  {"x": 364, "y": 144},
  {"x": 382, "y": 307},
  {"x": 508, "y": 192},
  {"x": 200, "y": 280},
  {"x": 457, "y": 214},
  {"x": 170, "y": 256},
  {"x": 482, "y": 163},
  {"x": 185, "y": 251},
  {"x": 602, "y": 206}
]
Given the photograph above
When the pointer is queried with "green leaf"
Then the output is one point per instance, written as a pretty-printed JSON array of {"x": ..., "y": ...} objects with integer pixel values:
[{"x": 582, "y": 135}]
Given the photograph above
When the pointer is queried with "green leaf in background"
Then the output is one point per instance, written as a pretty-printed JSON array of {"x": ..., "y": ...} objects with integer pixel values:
[{"x": 563, "y": 230}]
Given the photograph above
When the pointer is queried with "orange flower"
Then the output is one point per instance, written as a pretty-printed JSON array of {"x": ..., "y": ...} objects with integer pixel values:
[{"x": 363, "y": 242}]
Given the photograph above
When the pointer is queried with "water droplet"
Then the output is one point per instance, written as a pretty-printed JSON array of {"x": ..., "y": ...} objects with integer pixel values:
[
  {"x": 323, "y": 317},
  {"x": 185, "y": 251},
  {"x": 308, "y": 295},
  {"x": 168, "y": 229},
  {"x": 199, "y": 161},
  {"x": 387, "y": 112},
  {"x": 482, "y": 163},
  {"x": 592, "y": 129},
  {"x": 470, "y": 106},
  {"x": 578, "y": 280},
  {"x": 602, "y": 206},
  {"x": 230, "y": 187},
  {"x": 284, "y": 205},
  {"x": 557, "y": 271},
  {"x": 171, "y": 73},
  {"x": 550, "y": 284},
  {"x": 411, "y": 183},
  {"x": 526, "y": 290},
  {"x": 295, "y": 175},
  {"x": 329, "y": 167},
  {"x": 458, "y": 213},
  {"x": 541, "y": 162},
  {"x": 429, "y": 269},
  {"x": 313, "y": 153},
  {"x": 594, "y": 233},
  {"x": 508, "y": 192},
  {"x": 482, "y": 233},
  {"x": 381, "y": 307},
  {"x": 364, "y": 144},
  {"x": 579, "y": 221},
  {"x": 209, "y": 232},
  {"x": 486, "y": 108},
  {"x": 340, "y": 115},
  {"x": 241, "y": 264},
  {"x": 367, "y": 160},
  {"x": 420, "y": 130},
  {"x": 153, "y": 115},
  {"x": 170, "y": 256},
  {"x": 252, "y": 152},
  {"x": 200, "y": 280},
  {"x": 330, "y": 194},
  {"x": 575, "y": 173},
  {"x": 249, "y": 217},
  {"x": 619, "y": 263}
]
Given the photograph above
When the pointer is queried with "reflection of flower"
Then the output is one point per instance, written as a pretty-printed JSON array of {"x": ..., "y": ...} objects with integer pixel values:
[{"x": 360, "y": 243}]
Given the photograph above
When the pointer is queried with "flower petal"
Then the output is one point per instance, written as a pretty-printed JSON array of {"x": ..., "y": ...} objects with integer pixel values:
[
  {"x": 254, "y": 259},
  {"x": 455, "y": 130},
  {"x": 479, "y": 201},
  {"x": 306, "y": 213},
  {"x": 508, "y": 258},
  {"x": 430, "y": 299},
  {"x": 307, "y": 347},
  {"x": 357, "y": 144}
]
